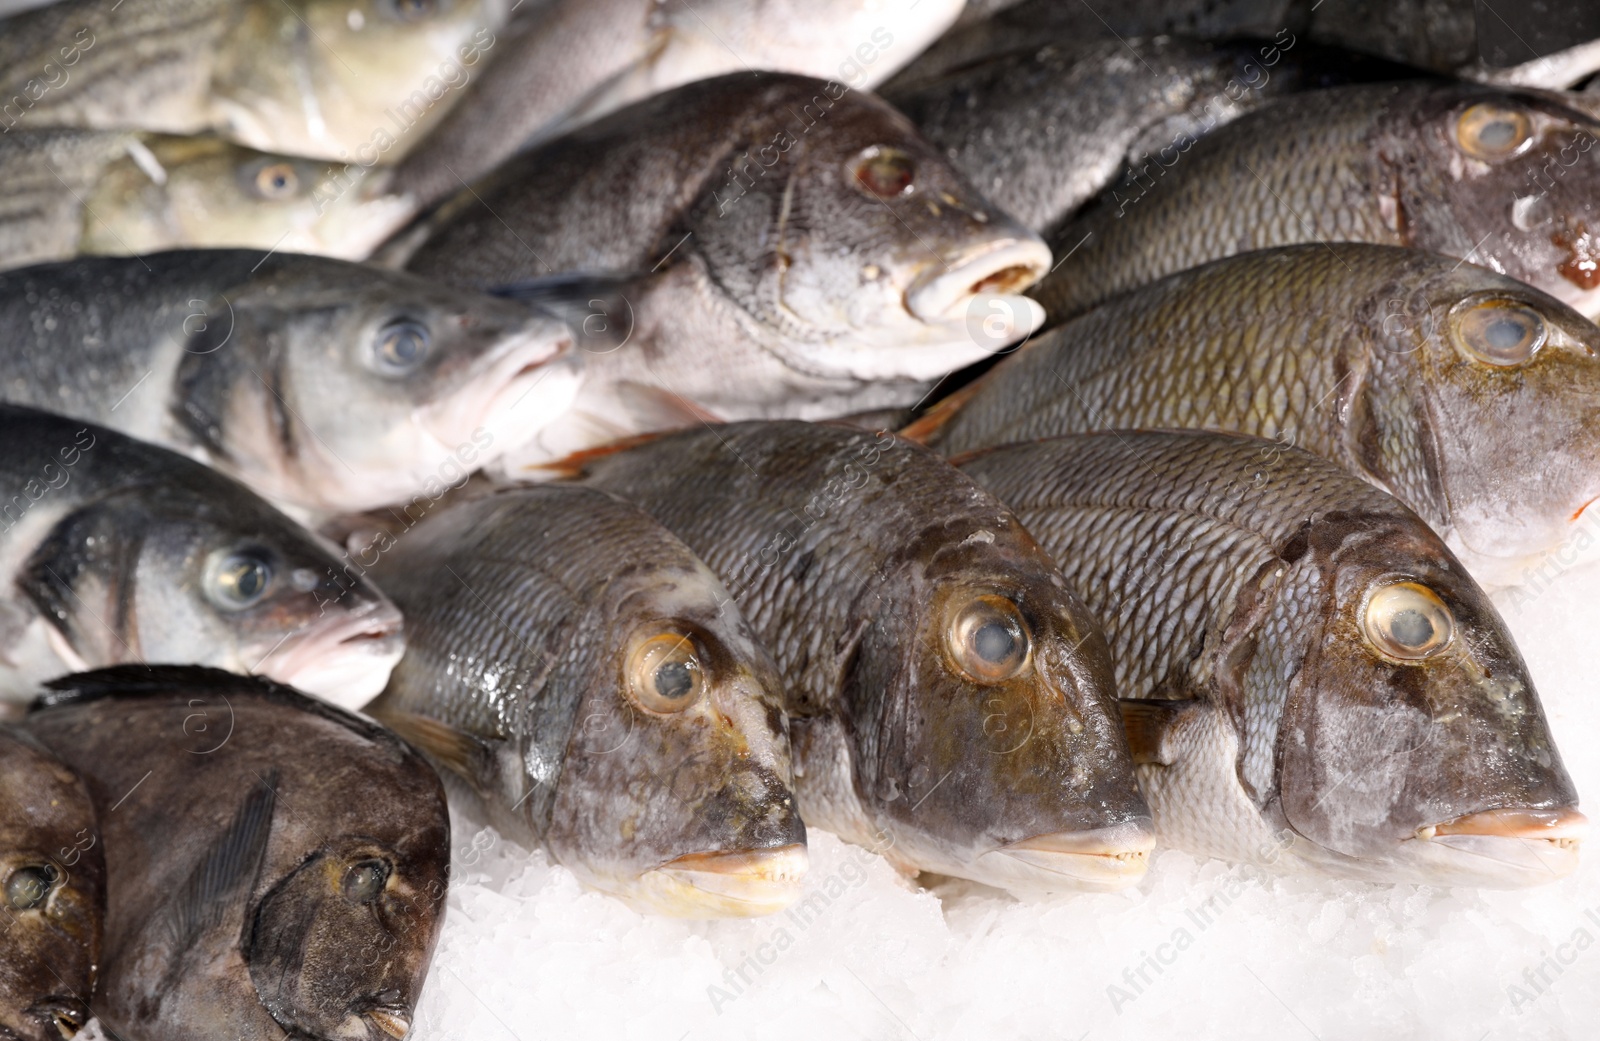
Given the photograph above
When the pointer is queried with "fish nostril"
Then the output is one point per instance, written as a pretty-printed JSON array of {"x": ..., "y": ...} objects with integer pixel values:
[{"x": 1005, "y": 281}]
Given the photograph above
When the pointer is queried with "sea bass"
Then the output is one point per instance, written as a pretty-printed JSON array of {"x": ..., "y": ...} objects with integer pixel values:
[
  {"x": 119, "y": 551},
  {"x": 1425, "y": 375},
  {"x": 1500, "y": 177},
  {"x": 804, "y": 253},
  {"x": 1309, "y": 675},
  {"x": 274, "y": 865},
  {"x": 52, "y": 894},
  {"x": 321, "y": 384},
  {"x": 950, "y": 701},
  {"x": 585, "y": 674},
  {"x": 309, "y": 77}
]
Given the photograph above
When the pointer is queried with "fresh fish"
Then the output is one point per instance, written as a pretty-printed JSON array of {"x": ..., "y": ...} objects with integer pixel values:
[
  {"x": 119, "y": 551},
  {"x": 804, "y": 253},
  {"x": 1471, "y": 397},
  {"x": 119, "y": 192},
  {"x": 52, "y": 894},
  {"x": 567, "y": 62},
  {"x": 1497, "y": 176},
  {"x": 320, "y": 384},
  {"x": 275, "y": 865},
  {"x": 950, "y": 701},
  {"x": 587, "y": 676},
  {"x": 330, "y": 80},
  {"x": 1310, "y": 677}
]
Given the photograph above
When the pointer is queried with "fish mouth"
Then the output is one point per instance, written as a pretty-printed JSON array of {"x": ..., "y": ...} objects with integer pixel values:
[
  {"x": 59, "y": 1016},
  {"x": 530, "y": 381},
  {"x": 379, "y": 1023},
  {"x": 347, "y": 663},
  {"x": 995, "y": 271},
  {"x": 1101, "y": 860},
  {"x": 741, "y": 884},
  {"x": 1511, "y": 845}
]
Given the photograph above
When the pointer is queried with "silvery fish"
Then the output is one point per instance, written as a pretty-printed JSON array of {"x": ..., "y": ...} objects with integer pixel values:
[
  {"x": 275, "y": 866},
  {"x": 325, "y": 385},
  {"x": 52, "y": 894},
  {"x": 118, "y": 551},
  {"x": 1309, "y": 676},
  {"x": 1501, "y": 177},
  {"x": 950, "y": 701},
  {"x": 1427, "y": 376},
  {"x": 586, "y": 675}
]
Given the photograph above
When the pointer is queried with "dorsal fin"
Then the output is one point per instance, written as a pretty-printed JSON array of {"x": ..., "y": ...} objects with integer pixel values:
[{"x": 935, "y": 419}]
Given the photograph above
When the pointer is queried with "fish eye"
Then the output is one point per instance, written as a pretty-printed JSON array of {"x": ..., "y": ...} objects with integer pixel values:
[
  {"x": 1492, "y": 131},
  {"x": 886, "y": 173},
  {"x": 1407, "y": 621},
  {"x": 401, "y": 346},
  {"x": 989, "y": 640},
  {"x": 411, "y": 10},
  {"x": 239, "y": 579},
  {"x": 276, "y": 181},
  {"x": 27, "y": 887},
  {"x": 1498, "y": 332},
  {"x": 665, "y": 674},
  {"x": 365, "y": 880}
]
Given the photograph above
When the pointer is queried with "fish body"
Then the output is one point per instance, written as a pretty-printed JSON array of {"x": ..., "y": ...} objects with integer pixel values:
[
  {"x": 118, "y": 551},
  {"x": 584, "y": 672},
  {"x": 52, "y": 892},
  {"x": 274, "y": 865},
  {"x": 1310, "y": 677},
  {"x": 1499, "y": 176},
  {"x": 948, "y": 697},
  {"x": 324, "y": 385},
  {"x": 1466, "y": 394}
]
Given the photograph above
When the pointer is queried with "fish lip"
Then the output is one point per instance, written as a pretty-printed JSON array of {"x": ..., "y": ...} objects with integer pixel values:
[
  {"x": 739, "y": 883},
  {"x": 1100, "y": 859},
  {"x": 1509, "y": 846},
  {"x": 518, "y": 364},
  {"x": 391, "y": 1020},
  {"x": 1563, "y": 825},
  {"x": 347, "y": 662},
  {"x": 1000, "y": 269},
  {"x": 50, "y": 1011}
]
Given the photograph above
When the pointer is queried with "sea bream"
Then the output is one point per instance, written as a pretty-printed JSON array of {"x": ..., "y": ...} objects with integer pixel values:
[
  {"x": 323, "y": 385},
  {"x": 1473, "y": 398},
  {"x": 115, "y": 551},
  {"x": 587, "y": 677},
  {"x": 1309, "y": 676},
  {"x": 950, "y": 700},
  {"x": 1501, "y": 177},
  {"x": 52, "y": 894},
  {"x": 275, "y": 866}
]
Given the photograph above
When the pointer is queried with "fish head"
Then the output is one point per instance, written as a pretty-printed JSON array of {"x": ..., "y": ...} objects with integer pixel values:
[
  {"x": 675, "y": 790},
  {"x": 982, "y": 708},
  {"x": 52, "y": 895},
  {"x": 859, "y": 247},
  {"x": 1508, "y": 179},
  {"x": 212, "y": 576},
  {"x": 1412, "y": 743}
]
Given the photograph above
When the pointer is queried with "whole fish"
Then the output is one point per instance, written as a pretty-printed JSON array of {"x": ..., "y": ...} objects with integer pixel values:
[
  {"x": 119, "y": 551},
  {"x": 319, "y": 383},
  {"x": 949, "y": 699},
  {"x": 804, "y": 253},
  {"x": 331, "y": 80},
  {"x": 1420, "y": 373},
  {"x": 121, "y": 192},
  {"x": 567, "y": 62},
  {"x": 1309, "y": 675},
  {"x": 583, "y": 671},
  {"x": 1498, "y": 176},
  {"x": 52, "y": 894},
  {"x": 275, "y": 866}
]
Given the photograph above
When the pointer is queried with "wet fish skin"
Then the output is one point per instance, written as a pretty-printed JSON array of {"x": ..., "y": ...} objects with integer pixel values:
[
  {"x": 281, "y": 369},
  {"x": 1352, "y": 352},
  {"x": 50, "y": 949},
  {"x": 119, "y": 551},
  {"x": 1235, "y": 578},
  {"x": 1367, "y": 163},
  {"x": 851, "y": 552},
  {"x": 302, "y": 892},
  {"x": 528, "y": 610}
]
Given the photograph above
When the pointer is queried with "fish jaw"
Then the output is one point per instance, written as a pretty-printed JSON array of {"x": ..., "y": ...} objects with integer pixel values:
[
  {"x": 1102, "y": 860},
  {"x": 1506, "y": 848},
  {"x": 376, "y": 1024},
  {"x": 998, "y": 269},
  {"x": 743, "y": 884},
  {"x": 346, "y": 663},
  {"x": 529, "y": 381}
]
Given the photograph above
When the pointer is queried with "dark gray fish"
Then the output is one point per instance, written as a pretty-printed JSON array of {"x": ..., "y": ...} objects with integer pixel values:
[
  {"x": 948, "y": 697},
  {"x": 1309, "y": 675},
  {"x": 274, "y": 864}
]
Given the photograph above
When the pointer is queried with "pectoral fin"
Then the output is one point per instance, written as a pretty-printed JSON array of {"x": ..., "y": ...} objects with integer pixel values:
[{"x": 1149, "y": 725}]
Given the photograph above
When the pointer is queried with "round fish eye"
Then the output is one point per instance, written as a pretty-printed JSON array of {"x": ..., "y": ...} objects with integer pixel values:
[
  {"x": 239, "y": 580},
  {"x": 1407, "y": 621},
  {"x": 988, "y": 639},
  {"x": 365, "y": 880},
  {"x": 28, "y": 887},
  {"x": 1492, "y": 131},
  {"x": 276, "y": 181},
  {"x": 665, "y": 674},
  {"x": 1498, "y": 332},
  {"x": 886, "y": 173},
  {"x": 401, "y": 346}
]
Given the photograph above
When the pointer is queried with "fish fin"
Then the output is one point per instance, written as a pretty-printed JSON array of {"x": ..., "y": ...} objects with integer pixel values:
[
  {"x": 229, "y": 869},
  {"x": 662, "y": 409},
  {"x": 1147, "y": 723},
  {"x": 462, "y": 753},
  {"x": 597, "y": 307},
  {"x": 922, "y": 430},
  {"x": 577, "y": 464}
]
